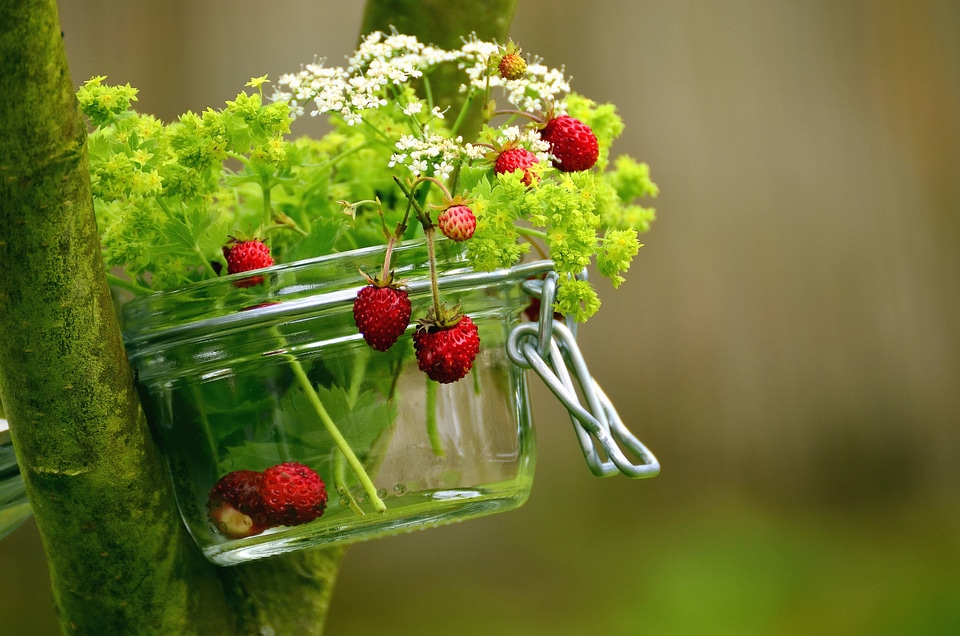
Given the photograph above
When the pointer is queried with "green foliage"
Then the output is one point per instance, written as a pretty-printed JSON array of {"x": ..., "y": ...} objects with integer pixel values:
[{"x": 168, "y": 197}]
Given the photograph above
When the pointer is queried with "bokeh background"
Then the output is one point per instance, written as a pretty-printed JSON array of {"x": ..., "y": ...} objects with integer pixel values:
[{"x": 787, "y": 343}]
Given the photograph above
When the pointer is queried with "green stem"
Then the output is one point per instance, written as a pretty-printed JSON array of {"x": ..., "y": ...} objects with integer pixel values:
[
  {"x": 443, "y": 188},
  {"x": 355, "y": 464},
  {"x": 385, "y": 270},
  {"x": 359, "y": 370},
  {"x": 379, "y": 135},
  {"x": 203, "y": 259},
  {"x": 433, "y": 433},
  {"x": 343, "y": 155},
  {"x": 518, "y": 113},
  {"x": 288, "y": 226},
  {"x": 428, "y": 90},
  {"x": 526, "y": 231},
  {"x": 340, "y": 482},
  {"x": 432, "y": 257},
  {"x": 422, "y": 215},
  {"x": 128, "y": 285},
  {"x": 266, "y": 186}
]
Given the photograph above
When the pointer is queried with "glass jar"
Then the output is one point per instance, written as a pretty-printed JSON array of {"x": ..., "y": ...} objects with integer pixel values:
[
  {"x": 247, "y": 372},
  {"x": 14, "y": 505}
]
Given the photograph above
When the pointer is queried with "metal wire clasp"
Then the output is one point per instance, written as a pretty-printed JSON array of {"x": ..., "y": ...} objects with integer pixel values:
[{"x": 549, "y": 347}]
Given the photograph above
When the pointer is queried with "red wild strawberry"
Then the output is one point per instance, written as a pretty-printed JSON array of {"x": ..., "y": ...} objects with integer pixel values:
[
  {"x": 382, "y": 313},
  {"x": 573, "y": 144},
  {"x": 512, "y": 66},
  {"x": 457, "y": 222},
  {"x": 517, "y": 158},
  {"x": 245, "y": 256},
  {"x": 446, "y": 354},
  {"x": 292, "y": 494},
  {"x": 234, "y": 505}
]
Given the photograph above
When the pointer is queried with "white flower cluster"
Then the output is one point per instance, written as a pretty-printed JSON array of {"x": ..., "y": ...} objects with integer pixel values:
[
  {"x": 326, "y": 87},
  {"x": 434, "y": 155},
  {"x": 380, "y": 60},
  {"x": 385, "y": 60},
  {"x": 402, "y": 51}
]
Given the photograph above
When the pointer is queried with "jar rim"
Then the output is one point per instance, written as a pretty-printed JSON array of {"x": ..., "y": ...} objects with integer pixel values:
[{"x": 220, "y": 304}]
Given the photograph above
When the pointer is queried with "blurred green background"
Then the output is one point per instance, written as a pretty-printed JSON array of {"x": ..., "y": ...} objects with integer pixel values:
[{"x": 787, "y": 343}]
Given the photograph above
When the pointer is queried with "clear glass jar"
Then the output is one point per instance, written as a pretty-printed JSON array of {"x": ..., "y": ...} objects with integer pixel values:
[
  {"x": 240, "y": 377},
  {"x": 14, "y": 505}
]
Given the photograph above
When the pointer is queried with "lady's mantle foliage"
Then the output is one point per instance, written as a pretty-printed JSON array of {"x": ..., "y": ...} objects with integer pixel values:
[{"x": 169, "y": 196}]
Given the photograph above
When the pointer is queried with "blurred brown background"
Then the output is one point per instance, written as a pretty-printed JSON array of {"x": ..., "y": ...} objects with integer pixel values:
[{"x": 787, "y": 343}]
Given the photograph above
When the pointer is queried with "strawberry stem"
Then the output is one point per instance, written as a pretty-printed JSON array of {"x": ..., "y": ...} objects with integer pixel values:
[
  {"x": 429, "y": 231},
  {"x": 422, "y": 216},
  {"x": 443, "y": 188},
  {"x": 338, "y": 439},
  {"x": 266, "y": 186},
  {"x": 432, "y": 257},
  {"x": 519, "y": 113},
  {"x": 433, "y": 433},
  {"x": 464, "y": 109},
  {"x": 530, "y": 235},
  {"x": 340, "y": 482}
]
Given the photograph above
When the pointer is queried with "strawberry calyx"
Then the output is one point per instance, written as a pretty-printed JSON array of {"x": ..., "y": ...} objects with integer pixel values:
[
  {"x": 508, "y": 62},
  {"x": 385, "y": 279},
  {"x": 440, "y": 317}
]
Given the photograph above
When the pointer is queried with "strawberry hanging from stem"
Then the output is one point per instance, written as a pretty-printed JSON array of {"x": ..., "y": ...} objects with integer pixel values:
[
  {"x": 382, "y": 308},
  {"x": 446, "y": 341}
]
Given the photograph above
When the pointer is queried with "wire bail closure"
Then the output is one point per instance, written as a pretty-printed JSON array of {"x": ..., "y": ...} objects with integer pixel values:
[{"x": 549, "y": 347}]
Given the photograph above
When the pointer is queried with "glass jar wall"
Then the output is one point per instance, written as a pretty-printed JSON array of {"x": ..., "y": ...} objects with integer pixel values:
[{"x": 244, "y": 377}]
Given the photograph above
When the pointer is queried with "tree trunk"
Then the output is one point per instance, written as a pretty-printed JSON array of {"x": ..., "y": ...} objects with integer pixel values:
[{"x": 121, "y": 561}]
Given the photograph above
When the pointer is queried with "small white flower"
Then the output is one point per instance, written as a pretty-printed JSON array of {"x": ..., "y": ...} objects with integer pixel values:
[
  {"x": 473, "y": 151},
  {"x": 412, "y": 108}
]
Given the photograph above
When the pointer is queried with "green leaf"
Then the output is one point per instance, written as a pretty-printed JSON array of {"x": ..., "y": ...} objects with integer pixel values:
[{"x": 323, "y": 236}]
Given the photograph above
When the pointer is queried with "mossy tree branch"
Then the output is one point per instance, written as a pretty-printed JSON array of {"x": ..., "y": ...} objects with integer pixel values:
[{"x": 120, "y": 560}]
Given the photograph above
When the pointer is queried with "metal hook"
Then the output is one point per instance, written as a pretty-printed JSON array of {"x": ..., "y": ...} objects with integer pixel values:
[{"x": 557, "y": 359}]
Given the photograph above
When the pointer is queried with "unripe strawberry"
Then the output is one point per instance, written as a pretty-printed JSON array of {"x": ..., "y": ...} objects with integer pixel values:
[
  {"x": 382, "y": 314},
  {"x": 512, "y": 66},
  {"x": 292, "y": 494},
  {"x": 457, "y": 222},
  {"x": 517, "y": 158},
  {"x": 234, "y": 505},
  {"x": 446, "y": 354},
  {"x": 245, "y": 256},
  {"x": 572, "y": 143}
]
